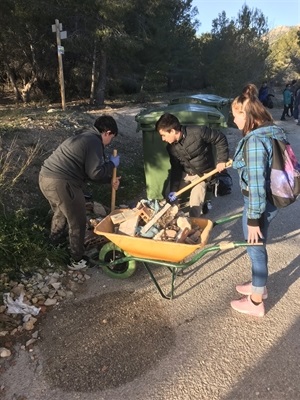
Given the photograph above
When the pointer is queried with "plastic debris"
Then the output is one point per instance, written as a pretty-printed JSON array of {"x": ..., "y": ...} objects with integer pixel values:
[{"x": 18, "y": 306}]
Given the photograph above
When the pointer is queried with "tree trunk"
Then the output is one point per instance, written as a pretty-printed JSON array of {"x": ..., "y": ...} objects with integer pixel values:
[
  {"x": 12, "y": 80},
  {"x": 92, "y": 93},
  {"x": 100, "y": 94},
  {"x": 26, "y": 90}
]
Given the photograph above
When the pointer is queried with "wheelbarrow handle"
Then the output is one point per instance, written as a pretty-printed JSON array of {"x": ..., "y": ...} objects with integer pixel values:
[{"x": 202, "y": 178}]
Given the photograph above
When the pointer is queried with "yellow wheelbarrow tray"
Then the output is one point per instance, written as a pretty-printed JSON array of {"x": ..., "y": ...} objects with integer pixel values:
[{"x": 118, "y": 257}]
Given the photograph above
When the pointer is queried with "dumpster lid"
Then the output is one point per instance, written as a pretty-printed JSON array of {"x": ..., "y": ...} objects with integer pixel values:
[
  {"x": 187, "y": 113},
  {"x": 155, "y": 113},
  {"x": 212, "y": 99}
]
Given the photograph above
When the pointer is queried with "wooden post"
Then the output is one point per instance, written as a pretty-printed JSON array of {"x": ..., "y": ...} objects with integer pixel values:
[{"x": 60, "y": 65}]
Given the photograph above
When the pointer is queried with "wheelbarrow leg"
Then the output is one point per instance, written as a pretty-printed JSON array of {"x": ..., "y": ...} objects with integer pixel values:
[{"x": 170, "y": 297}]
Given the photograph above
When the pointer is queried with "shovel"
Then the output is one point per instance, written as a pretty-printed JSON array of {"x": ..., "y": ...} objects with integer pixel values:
[
  {"x": 113, "y": 190},
  {"x": 195, "y": 182},
  {"x": 113, "y": 195}
]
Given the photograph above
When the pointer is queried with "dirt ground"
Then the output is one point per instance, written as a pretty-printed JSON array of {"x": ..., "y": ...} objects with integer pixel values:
[
  {"x": 118, "y": 339},
  {"x": 46, "y": 128}
]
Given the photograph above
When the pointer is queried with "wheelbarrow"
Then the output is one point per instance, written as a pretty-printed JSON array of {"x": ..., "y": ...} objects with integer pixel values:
[{"x": 119, "y": 257}]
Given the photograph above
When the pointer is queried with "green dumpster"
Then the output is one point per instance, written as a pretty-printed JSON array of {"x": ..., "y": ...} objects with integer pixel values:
[
  {"x": 211, "y": 100},
  {"x": 156, "y": 158}
]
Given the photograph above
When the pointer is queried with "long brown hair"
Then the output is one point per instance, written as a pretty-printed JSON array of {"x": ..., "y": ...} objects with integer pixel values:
[{"x": 249, "y": 103}]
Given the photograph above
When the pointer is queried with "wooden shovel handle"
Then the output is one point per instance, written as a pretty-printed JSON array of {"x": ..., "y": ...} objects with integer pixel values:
[
  {"x": 113, "y": 190},
  {"x": 202, "y": 178}
]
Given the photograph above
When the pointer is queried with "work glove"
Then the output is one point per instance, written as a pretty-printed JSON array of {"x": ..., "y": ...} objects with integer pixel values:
[
  {"x": 115, "y": 160},
  {"x": 172, "y": 196}
]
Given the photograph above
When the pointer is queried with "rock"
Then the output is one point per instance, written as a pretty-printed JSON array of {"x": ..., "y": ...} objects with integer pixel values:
[
  {"x": 55, "y": 275},
  {"x": 34, "y": 300},
  {"x": 29, "y": 325},
  {"x": 50, "y": 302},
  {"x": 18, "y": 289},
  {"x": 44, "y": 290},
  {"x": 52, "y": 280},
  {"x": 56, "y": 285},
  {"x": 4, "y": 352},
  {"x": 51, "y": 293},
  {"x": 35, "y": 335},
  {"x": 2, "y": 309},
  {"x": 30, "y": 341}
]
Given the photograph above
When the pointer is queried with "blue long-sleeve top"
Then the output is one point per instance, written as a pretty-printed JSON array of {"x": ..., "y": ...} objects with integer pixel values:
[{"x": 253, "y": 159}]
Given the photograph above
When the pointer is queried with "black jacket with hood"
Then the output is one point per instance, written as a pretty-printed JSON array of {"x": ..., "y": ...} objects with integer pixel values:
[{"x": 194, "y": 152}]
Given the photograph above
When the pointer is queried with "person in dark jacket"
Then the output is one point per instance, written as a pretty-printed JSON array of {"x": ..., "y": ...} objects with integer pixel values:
[
  {"x": 263, "y": 94},
  {"x": 191, "y": 155},
  {"x": 63, "y": 175}
]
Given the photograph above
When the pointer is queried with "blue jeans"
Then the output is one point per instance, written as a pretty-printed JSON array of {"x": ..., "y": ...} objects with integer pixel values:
[{"x": 258, "y": 254}]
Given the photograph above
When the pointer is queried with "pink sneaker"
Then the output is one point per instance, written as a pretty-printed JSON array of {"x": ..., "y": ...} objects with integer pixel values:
[
  {"x": 246, "y": 289},
  {"x": 245, "y": 306}
]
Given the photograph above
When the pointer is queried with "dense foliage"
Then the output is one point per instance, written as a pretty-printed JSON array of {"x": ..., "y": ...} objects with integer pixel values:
[
  {"x": 24, "y": 247},
  {"x": 284, "y": 58},
  {"x": 124, "y": 46}
]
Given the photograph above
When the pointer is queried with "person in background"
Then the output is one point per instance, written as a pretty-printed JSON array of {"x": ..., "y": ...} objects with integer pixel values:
[
  {"x": 296, "y": 113},
  {"x": 287, "y": 100},
  {"x": 263, "y": 94},
  {"x": 293, "y": 91},
  {"x": 62, "y": 177},
  {"x": 191, "y": 155},
  {"x": 252, "y": 159}
]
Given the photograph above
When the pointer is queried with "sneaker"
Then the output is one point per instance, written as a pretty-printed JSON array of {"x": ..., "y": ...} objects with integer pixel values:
[
  {"x": 246, "y": 289},
  {"x": 78, "y": 265},
  {"x": 245, "y": 306}
]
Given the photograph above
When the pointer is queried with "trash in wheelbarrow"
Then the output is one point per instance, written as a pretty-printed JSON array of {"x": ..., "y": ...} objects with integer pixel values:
[
  {"x": 155, "y": 249},
  {"x": 152, "y": 220}
]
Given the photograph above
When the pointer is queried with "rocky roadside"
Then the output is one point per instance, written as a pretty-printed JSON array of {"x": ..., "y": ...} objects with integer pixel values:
[{"x": 25, "y": 302}]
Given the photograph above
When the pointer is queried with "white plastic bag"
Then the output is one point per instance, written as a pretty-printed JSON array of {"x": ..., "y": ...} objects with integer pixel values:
[{"x": 17, "y": 306}]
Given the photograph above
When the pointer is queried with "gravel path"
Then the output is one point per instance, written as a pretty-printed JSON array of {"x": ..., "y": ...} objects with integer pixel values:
[{"x": 118, "y": 339}]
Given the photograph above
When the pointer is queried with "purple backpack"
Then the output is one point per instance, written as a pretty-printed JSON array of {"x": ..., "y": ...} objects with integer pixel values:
[{"x": 285, "y": 175}]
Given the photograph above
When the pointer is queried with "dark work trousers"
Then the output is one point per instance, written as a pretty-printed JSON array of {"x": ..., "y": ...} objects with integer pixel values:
[
  {"x": 68, "y": 205},
  {"x": 285, "y": 111}
]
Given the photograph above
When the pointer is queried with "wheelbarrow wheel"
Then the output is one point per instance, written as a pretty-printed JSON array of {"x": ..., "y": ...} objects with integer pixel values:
[{"x": 108, "y": 254}]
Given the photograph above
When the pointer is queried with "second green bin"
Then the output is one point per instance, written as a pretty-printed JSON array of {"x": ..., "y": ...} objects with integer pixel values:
[
  {"x": 156, "y": 157},
  {"x": 210, "y": 100}
]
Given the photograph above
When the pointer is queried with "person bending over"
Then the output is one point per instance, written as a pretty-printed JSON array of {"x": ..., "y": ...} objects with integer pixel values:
[
  {"x": 191, "y": 155},
  {"x": 63, "y": 175}
]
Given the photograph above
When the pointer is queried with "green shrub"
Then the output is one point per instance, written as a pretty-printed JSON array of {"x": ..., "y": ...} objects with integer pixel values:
[{"x": 24, "y": 245}]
